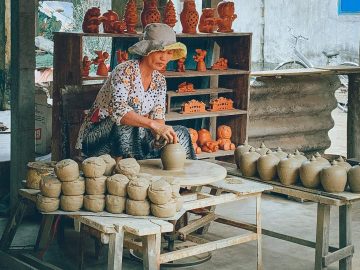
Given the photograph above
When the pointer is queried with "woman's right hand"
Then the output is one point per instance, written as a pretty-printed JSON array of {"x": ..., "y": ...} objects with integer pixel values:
[{"x": 163, "y": 131}]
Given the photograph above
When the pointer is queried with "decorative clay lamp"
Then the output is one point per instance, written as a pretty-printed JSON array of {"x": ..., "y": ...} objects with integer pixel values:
[
  {"x": 150, "y": 13},
  {"x": 131, "y": 16},
  {"x": 170, "y": 14},
  {"x": 189, "y": 17}
]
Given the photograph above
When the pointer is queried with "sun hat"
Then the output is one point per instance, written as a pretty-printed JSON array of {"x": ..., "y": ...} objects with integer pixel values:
[{"x": 158, "y": 37}]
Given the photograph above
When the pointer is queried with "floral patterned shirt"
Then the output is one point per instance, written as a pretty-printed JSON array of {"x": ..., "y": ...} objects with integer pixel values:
[{"x": 123, "y": 92}]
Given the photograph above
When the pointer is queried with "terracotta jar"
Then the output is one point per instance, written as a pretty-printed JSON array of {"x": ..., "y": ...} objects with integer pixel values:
[
  {"x": 333, "y": 178},
  {"x": 343, "y": 163},
  {"x": 299, "y": 156},
  {"x": 189, "y": 17},
  {"x": 321, "y": 159},
  {"x": 173, "y": 156},
  {"x": 241, "y": 149},
  {"x": 310, "y": 173},
  {"x": 248, "y": 162},
  {"x": 150, "y": 13},
  {"x": 280, "y": 153},
  {"x": 266, "y": 166},
  {"x": 354, "y": 179},
  {"x": 288, "y": 170},
  {"x": 262, "y": 149}
]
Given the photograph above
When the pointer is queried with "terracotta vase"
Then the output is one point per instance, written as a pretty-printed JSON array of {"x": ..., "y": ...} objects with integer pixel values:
[
  {"x": 266, "y": 166},
  {"x": 333, "y": 178},
  {"x": 226, "y": 11},
  {"x": 354, "y": 179},
  {"x": 131, "y": 16},
  {"x": 189, "y": 17},
  {"x": 109, "y": 19},
  {"x": 248, "y": 162},
  {"x": 310, "y": 173},
  {"x": 170, "y": 14},
  {"x": 262, "y": 149},
  {"x": 173, "y": 157},
  {"x": 241, "y": 149},
  {"x": 343, "y": 163},
  {"x": 280, "y": 153},
  {"x": 299, "y": 156},
  {"x": 319, "y": 158},
  {"x": 150, "y": 13},
  {"x": 288, "y": 170}
]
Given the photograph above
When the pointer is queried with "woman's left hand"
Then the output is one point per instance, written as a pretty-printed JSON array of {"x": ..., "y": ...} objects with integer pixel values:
[{"x": 164, "y": 131}]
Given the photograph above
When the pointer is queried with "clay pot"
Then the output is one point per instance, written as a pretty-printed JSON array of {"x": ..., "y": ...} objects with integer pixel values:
[
  {"x": 248, "y": 162},
  {"x": 288, "y": 170},
  {"x": 95, "y": 186},
  {"x": 74, "y": 188},
  {"x": 137, "y": 208},
  {"x": 160, "y": 192},
  {"x": 189, "y": 17},
  {"x": 128, "y": 167},
  {"x": 321, "y": 159},
  {"x": 333, "y": 178},
  {"x": 341, "y": 162},
  {"x": 110, "y": 164},
  {"x": 117, "y": 185},
  {"x": 179, "y": 201},
  {"x": 354, "y": 179},
  {"x": 36, "y": 171},
  {"x": 50, "y": 186},
  {"x": 299, "y": 156},
  {"x": 71, "y": 203},
  {"x": 93, "y": 167},
  {"x": 45, "y": 204},
  {"x": 94, "y": 203},
  {"x": 150, "y": 13},
  {"x": 310, "y": 173},
  {"x": 266, "y": 166},
  {"x": 204, "y": 136},
  {"x": 67, "y": 170},
  {"x": 262, "y": 149},
  {"x": 241, "y": 149},
  {"x": 280, "y": 153},
  {"x": 164, "y": 210},
  {"x": 137, "y": 189},
  {"x": 115, "y": 204},
  {"x": 173, "y": 157}
]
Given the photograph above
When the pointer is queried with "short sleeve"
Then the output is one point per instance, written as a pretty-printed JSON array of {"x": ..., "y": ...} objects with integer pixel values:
[{"x": 158, "y": 111}]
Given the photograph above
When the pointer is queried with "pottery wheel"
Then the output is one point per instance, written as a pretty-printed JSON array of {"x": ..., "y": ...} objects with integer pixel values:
[{"x": 195, "y": 172}]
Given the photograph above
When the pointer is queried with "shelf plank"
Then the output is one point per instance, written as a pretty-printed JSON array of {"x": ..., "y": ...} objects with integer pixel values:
[
  {"x": 95, "y": 77},
  {"x": 219, "y": 153},
  {"x": 198, "y": 92},
  {"x": 173, "y": 116},
  {"x": 209, "y": 72}
]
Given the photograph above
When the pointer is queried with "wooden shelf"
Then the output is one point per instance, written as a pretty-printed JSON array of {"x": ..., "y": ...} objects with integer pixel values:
[
  {"x": 174, "y": 116},
  {"x": 199, "y": 92},
  {"x": 209, "y": 72},
  {"x": 219, "y": 153},
  {"x": 95, "y": 77}
]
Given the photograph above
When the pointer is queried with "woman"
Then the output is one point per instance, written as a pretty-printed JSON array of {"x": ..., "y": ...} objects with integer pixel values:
[{"x": 127, "y": 118}]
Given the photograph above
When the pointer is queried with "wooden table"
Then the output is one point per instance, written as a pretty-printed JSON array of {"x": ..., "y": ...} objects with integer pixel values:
[{"x": 324, "y": 253}]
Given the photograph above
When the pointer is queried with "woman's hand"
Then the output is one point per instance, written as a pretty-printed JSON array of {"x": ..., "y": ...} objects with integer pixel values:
[{"x": 163, "y": 131}]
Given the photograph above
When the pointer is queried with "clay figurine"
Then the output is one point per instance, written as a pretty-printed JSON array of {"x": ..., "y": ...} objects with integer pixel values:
[
  {"x": 86, "y": 63},
  {"x": 200, "y": 59},
  {"x": 181, "y": 65},
  {"x": 119, "y": 27},
  {"x": 185, "y": 87},
  {"x": 170, "y": 14},
  {"x": 194, "y": 137},
  {"x": 221, "y": 64},
  {"x": 226, "y": 11},
  {"x": 121, "y": 56},
  {"x": 193, "y": 106},
  {"x": 208, "y": 22},
  {"x": 223, "y": 134},
  {"x": 221, "y": 104},
  {"x": 110, "y": 17},
  {"x": 173, "y": 157},
  {"x": 266, "y": 166},
  {"x": 150, "y": 13},
  {"x": 92, "y": 20},
  {"x": 100, "y": 60},
  {"x": 189, "y": 17},
  {"x": 205, "y": 141},
  {"x": 131, "y": 16}
]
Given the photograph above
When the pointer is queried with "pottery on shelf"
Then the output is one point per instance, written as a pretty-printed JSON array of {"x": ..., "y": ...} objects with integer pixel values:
[
  {"x": 343, "y": 163},
  {"x": 223, "y": 134},
  {"x": 334, "y": 178},
  {"x": 321, "y": 159},
  {"x": 199, "y": 58},
  {"x": 354, "y": 179},
  {"x": 173, "y": 156},
  {"x": 226, "y": 11},
  {"x": 110, "y": 17},
  {"x": 92, "y": 20},
  {"x": 100, "y": 60},
  {"x": 280, "y": 153},
  {"x": 221, "y": 104},
  {"x": 150, "y": 13},
  {"x": 86, "y": 63},
  {"x": 262, "y": 149},
  {"x": 189, "y": 17},
  {"x": 170, "y": 14},
  {"x": 299, "y": 156},
  {"x": 288, "y": 170},
  {"x": 194, "y": 138},
  {"x": 266, "y": 166},
  {"x": 131, "y": 16},
  {"x": 241, "y": 149},
  {"x": 208, "y": 22},
  {"x": 248, "y": 162},
  {"x": 310, "y": 173},
  {"x": 180, "y": 65},
  {"x": 220, "y": 64}
]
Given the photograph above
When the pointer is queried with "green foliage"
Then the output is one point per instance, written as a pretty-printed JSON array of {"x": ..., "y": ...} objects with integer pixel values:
[{"x": 47, "y": 26}]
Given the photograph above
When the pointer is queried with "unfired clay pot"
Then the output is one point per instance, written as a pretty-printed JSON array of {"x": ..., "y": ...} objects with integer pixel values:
[
  {"x": 341, "y": 162},
  {"x": 179, "y": 201},
  {"x": 45, "y": 204},
  {"x": 288, "y": 170},
  {"x": 299, "y": 156},
  {"x": 36, "y": 170},
  {"x": 173, "y": 156},
  {"x": 115, "y": 204},
  {"x": 137, "y": 189},
  {"x": 280, "y": 153},
  {"x": 354, "y": 179},
  {"x": 71, "y": 203},
  {"x": 160, "y": 192},
  {"x": 137, "y": 208},
  {"x": 110, "y": 164},
  {"x": 164, "y": 210},
  {"x": 74, "y": 188},
  {"x": 248, "y": 162},
  {"x": 321, "y": 159},
  {"x": 117, "y": 185},
  {"x": 94, "y": 203},
  {"x": 334, "y": 178},
  {"x": 95, "y": 186},
  {"x": 241, "y": 149},
  {"x": 266, "y": 166},
  {"x": 93, "y": 167},
  {"x": 50, "y": 186},
  {"x": 67, "y": 170},
  {"x": 128, "y": 167},
  {"x": 262, "y": 149},
  {"x": 310, "y": 173}
]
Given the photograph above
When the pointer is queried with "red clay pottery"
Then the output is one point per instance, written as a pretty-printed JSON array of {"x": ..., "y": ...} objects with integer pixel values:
[
  {"x": 110, "y": 17},
  {"x": 173, "y": 157},
  {"x": 194, "y": 138},
  {"x": 193, "y": 106},
  {"x": 226, "y": 11},
  {"x": 266, "y": 166},
  {"x": 119, "y": 26},
  {"x": 92, "y": 20},
  {"x": 208, "y": 22},
  {"x": 131, "y": 16},
  {"x": 288, "y": 170},
  {"x": 333, "y": 178},
  {"x": 223, "y": 138},
  {"x": 221, "y": 104},
  {"x": 86, "y": 63},
  {"x": 170, "y": 14},
  {"x": 199, "y": 58},
  {"x": 204, "y": 136},
  {"x": 102, "y": 70},
  {"x": 354, "y": 179},
  {"x": 248, "y": 162},
  {"x": 150, "y": 13},
  {"x": 181, "y": 65},
  {"x": 220, "y": 64},
  {"x": 310, "y": 173},
  {"x": 189, "y": 17}
]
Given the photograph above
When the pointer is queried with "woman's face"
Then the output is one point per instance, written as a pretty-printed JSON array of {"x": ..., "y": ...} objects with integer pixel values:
[{"x": 158, "y": 60}]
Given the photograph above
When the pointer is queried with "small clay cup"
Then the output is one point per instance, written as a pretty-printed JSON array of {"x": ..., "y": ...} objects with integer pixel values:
[
  {"x": 354, "y": 179},
  {"x": 71, "y": 203},
  {"x": 93, "y": 167},
  {"x": 67, "y": 170},
  {"x": 137, "y": 208},
  {"x": 46, "y": 204},
  {"x": 173, "y": 157},
  {"x": 248, "y": 163},
  {"x": 110, "y": 164},
  {"x": 117, "y": 185},
  {"x": 94, "y": 203},
  {"x": 115, "y": 204},
  {"x": 164, "y": 210},
  {"x": 95, "y": 186},
  {"x": 50, "y": 186},
  {"x": 334, "y": 178},
  {"x": 74, "y": 188},
  {"x": 128, "y": 167},
  {"x": 137, "y": 189},
  {"x": 160, "y": 192}
]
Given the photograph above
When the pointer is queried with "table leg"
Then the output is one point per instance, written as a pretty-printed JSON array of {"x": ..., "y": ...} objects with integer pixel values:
[
  {"x": 258, "y": 231},
  {"x": 115, "y": 254},
  {"x": 151, "y": 253},
  {"x": 322, "y": 235},
  {"x": 345, "y": 234},
  {"x": 215, "y": 192},
  {"x": 81, "y": 247},
  {"x": 44, "y": 232}
]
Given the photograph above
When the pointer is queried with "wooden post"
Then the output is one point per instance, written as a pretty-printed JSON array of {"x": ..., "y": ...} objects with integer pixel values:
[
  {"x": 322, "y": 235},
  {"x": 345, "y": 234},
  {"x": 116, "y": 250},
  {"x": 258, "y": 232},
  {"x": 151, "y": 253},
  {"x": 353, "y": 117},
  {"x": 22, "y": 92}
]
